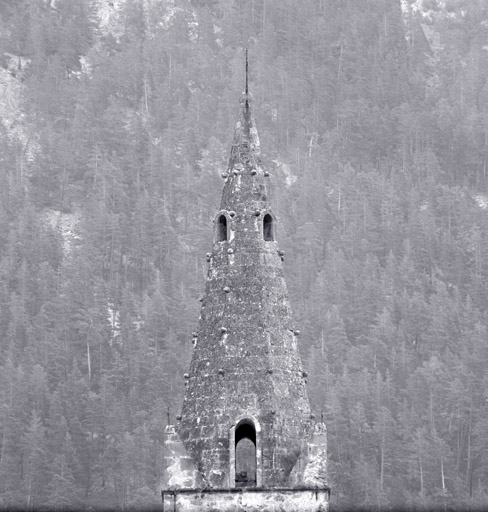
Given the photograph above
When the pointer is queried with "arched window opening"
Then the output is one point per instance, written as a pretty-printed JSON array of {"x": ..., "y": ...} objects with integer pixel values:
[
  {"x": 268, "y": 234},
  {"x": 245, "y": 453},
  {"x": 222, "y": 228}
]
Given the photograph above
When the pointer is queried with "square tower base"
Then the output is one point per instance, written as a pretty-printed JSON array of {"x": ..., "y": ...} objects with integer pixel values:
[{"x": 247, "y": 500}]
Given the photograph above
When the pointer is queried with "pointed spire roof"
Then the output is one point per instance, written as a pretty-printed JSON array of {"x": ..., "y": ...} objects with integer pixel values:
[
  {"x": 245, "y": 365},
  {"x": 245, "y": 145},
  {"x": 245, "y": 185}
]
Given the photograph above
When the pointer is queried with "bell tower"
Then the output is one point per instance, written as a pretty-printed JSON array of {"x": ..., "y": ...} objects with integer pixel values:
[{"x": 246, "y": 423}]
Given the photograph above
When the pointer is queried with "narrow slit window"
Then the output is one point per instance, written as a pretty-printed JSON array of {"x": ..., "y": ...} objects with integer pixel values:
[
  {"x": 268, "y": 234},
  {"x": 245, "y": 454},
  {"x": 222, "y": 229}
]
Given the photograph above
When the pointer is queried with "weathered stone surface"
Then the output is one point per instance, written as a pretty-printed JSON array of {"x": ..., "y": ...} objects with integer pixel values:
[
  {"x": 248, "y": 500},
  {"x": 181, "y": 471},
  {"x": 246, "y": 361},
  {"x": 310, "y": 469}
]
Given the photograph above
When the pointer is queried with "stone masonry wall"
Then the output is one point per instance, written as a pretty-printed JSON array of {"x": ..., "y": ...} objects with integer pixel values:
[
  {"x": 180, "y": 469},
  {"x": 310, "y": 470},
  {"x": 278, "y": 500}
]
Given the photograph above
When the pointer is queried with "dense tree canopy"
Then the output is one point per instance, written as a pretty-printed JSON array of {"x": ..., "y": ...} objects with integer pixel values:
[{"x": 116, "y": 122}]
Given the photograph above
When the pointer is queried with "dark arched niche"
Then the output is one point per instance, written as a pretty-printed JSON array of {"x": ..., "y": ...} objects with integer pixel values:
[
  {"x": 268, "y": 228},
  {"x": 245, "y": 453},
  {"x": 221, "y": 228}
]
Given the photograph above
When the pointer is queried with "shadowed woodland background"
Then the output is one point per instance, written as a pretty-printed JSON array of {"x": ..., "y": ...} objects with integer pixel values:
[{"x": 116, "y": 122}]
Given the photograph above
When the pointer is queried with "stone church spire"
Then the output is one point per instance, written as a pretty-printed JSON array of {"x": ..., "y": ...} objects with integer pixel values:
[
  {"x": 246, "y": 419},
  {"x": 246, "y": 380}
]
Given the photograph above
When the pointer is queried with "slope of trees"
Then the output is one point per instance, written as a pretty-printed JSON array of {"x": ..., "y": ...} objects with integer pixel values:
[{"x": 374, "y": 125}]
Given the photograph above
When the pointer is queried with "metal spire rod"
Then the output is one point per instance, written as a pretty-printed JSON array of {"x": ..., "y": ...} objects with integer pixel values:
[{"x": 247, "y": 74}]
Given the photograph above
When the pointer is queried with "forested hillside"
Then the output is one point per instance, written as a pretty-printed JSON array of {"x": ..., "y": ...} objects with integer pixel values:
[{"x": 116, "y": 122}]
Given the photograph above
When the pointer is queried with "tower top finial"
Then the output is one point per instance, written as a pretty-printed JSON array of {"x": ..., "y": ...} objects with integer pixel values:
[
  {"x": 246, "y": 97},
  {"x": 247, "y": 75}
]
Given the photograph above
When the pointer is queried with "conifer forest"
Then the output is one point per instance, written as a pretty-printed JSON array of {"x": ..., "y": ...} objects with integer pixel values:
[{"x": 116, "y": 123}]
